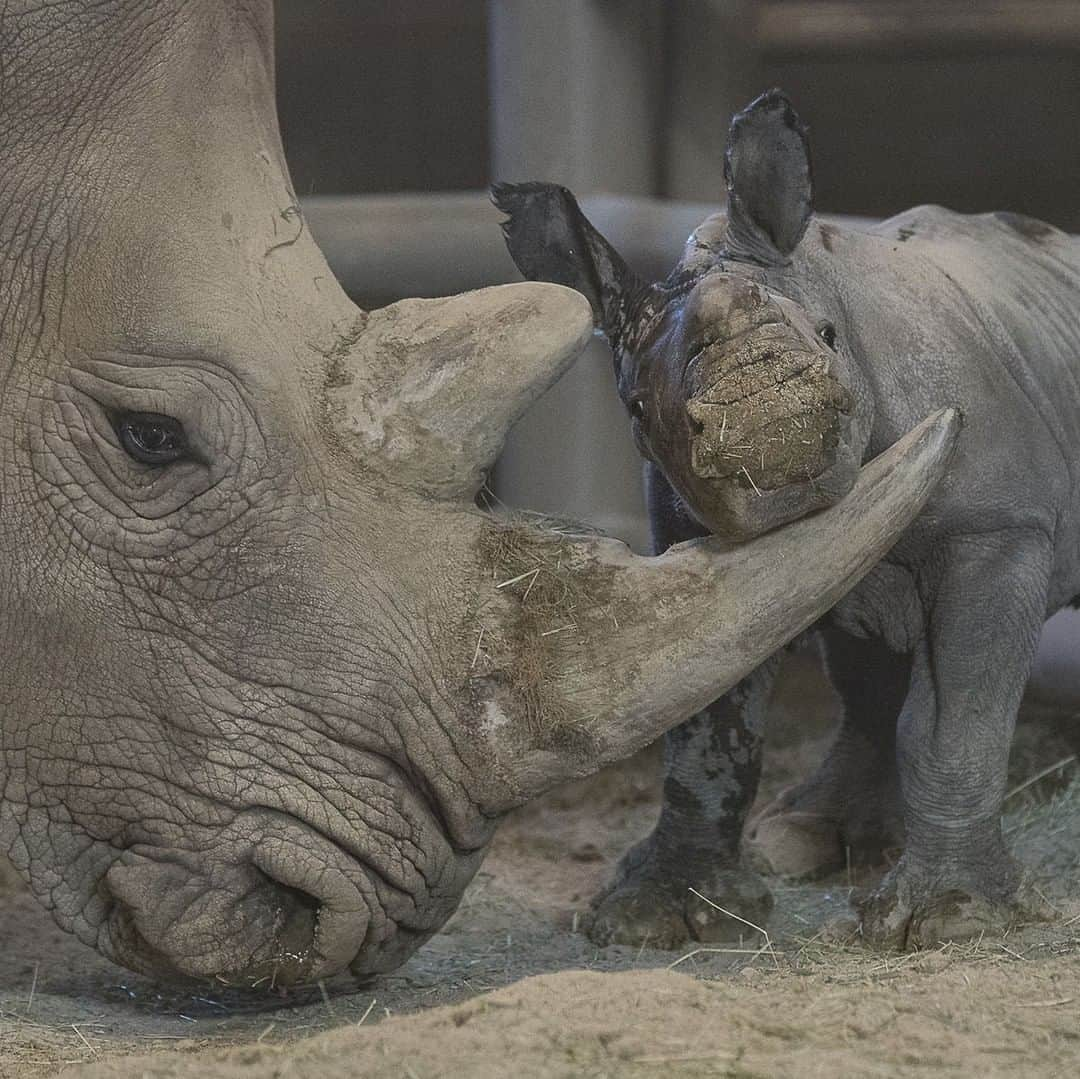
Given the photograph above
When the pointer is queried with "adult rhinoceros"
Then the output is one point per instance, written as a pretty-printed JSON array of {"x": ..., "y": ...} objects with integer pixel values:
[{"x": 269, "y": 677}]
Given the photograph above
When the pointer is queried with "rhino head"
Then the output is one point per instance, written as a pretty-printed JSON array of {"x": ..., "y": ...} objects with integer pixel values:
[
  {"x": 741, "y": 396},
  {"x": 268, "y": 675}
]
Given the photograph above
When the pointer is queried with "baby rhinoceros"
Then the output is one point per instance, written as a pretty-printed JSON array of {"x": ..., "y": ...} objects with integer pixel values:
[{"x": 780, "y": 353}]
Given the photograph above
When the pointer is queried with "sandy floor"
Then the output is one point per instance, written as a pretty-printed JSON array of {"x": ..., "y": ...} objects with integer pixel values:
[{"x": 510, "y": 989}]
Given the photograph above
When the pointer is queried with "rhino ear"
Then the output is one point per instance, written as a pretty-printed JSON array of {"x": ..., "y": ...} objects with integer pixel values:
[
  {"x": 550, "y": 239},
  {"x": 770, "y": 183}
]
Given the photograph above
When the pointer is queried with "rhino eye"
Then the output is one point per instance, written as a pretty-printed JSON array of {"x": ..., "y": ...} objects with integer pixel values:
[
  {"x": 150, "y": 438},
  {"x": 637, "y": 405},
  {"x": 827, "y": 332}
]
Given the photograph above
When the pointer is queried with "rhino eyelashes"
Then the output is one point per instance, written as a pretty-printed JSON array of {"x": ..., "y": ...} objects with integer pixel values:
[{"x": 151, "y": 438}]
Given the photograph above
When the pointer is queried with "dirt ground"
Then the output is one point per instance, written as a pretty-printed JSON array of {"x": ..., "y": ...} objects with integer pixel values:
[{"x": 509, "y": 987}]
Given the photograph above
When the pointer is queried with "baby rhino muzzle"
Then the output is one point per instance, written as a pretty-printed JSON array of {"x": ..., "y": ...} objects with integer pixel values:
[{"x": 765, "y": 408}]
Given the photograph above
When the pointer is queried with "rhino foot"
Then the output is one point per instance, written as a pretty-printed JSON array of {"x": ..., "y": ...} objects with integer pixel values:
[
  {"x": 819, "y": 827},
  {"x": 912, "y": 909},
  {"x": 650, "y": 902}
]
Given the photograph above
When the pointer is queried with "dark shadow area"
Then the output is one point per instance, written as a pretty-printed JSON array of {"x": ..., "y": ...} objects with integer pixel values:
[{"x": 377, "y": 96}]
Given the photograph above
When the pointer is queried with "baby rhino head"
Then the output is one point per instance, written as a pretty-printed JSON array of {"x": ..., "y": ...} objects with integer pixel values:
[
  {"x": 743, "y": 397},
  {"x": 737, "y": 396}
]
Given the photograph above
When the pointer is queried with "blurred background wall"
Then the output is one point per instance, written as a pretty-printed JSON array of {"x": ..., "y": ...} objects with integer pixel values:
[
  {"x": 396, "y": 114},
  {"x": 973, "y": 103},
  {"x": 384, "y": 95}
]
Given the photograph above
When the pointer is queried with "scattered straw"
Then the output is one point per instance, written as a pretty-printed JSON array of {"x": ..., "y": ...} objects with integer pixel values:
[
  {"x": 33, "y": 989},
  {"x": 1032, "y": 780},
  {"x": 82, "y": 1038},
  {"x": 533, "y": 573},
  {"x": 553, "y": 608},
  {"x": 326, "y": 998},
  {"x": 746, "y": 473},
  {"x": 476, "y": 654},
  {"x": 367, "y": 1012},
  {"x": 752, "y": 952},
  {"x": 768, "y": 946}
]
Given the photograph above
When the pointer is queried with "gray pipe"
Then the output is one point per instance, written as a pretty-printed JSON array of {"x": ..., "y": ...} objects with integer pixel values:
[{"x": 433, "y": 245}]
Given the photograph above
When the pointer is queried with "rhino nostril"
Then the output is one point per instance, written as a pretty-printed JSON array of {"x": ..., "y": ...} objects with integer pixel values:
[
  {"x": 292, "y": 898},
  {"x": 298, "y": 909}
]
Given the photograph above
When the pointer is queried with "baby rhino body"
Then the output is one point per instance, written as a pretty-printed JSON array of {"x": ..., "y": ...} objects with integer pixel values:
[{"x": 843, "y": 340}]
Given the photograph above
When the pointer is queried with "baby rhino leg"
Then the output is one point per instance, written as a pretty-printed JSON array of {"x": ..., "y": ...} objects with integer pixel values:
[
  {"x": 956, "y": 877},
  {"x": 712, "y": 765},
  {"x": 848, "y": 812}
]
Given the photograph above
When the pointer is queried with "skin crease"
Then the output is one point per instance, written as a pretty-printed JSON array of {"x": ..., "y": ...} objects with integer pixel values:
[
  {"x": 931, "y": 651},
  {"x": 261, "y": 707}
]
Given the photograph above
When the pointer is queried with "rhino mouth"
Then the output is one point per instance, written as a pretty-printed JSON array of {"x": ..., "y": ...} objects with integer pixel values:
[{"x": 276, "y": 903}]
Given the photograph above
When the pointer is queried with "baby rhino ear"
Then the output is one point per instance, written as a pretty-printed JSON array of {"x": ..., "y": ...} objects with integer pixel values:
[
  {"x": 769, "y": 178},
  {"x": 550, "y": 239}
]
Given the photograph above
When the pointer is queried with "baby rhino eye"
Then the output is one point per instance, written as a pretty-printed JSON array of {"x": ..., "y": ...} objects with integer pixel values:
[
  {"x": 636, "y": 405},
  {"x": 827, "y": 332},
  {"x": 150, "y": 438}
]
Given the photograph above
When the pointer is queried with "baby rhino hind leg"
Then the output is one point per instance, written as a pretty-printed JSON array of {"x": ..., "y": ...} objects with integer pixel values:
[
  {"x": 712, "y": 765},
  {"x": 849, "y": 811}
]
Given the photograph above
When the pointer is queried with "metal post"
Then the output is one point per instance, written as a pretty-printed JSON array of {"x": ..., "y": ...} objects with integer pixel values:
[
  {"x": 576, "y": 88},
  {"x": 714, "y": 72}
]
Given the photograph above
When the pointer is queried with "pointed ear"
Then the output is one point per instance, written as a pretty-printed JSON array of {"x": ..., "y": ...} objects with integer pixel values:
[
  {"x": 769, "y": 178},
  {"x": 550, "y": 239}
]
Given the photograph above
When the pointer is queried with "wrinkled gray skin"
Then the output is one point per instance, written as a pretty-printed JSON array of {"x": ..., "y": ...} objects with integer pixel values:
[
  {"x": 931, "y": 652},
  {"x": 268, "y": 676}
]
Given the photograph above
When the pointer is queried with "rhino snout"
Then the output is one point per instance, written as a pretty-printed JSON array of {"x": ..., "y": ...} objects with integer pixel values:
[
  {"x": 768, "y": 432},
  {"x": 766, "y": 417}
]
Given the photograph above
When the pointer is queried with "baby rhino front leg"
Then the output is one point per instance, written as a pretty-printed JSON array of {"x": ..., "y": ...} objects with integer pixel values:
[
  {"x": 712, "y": 765},
  {"x": 956, "y": 878}
]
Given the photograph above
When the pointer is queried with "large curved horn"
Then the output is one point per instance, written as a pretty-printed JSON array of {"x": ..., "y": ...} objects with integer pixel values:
[
  {"x": 596, "y": 651},
  {"x": 463, "y": 371}
]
